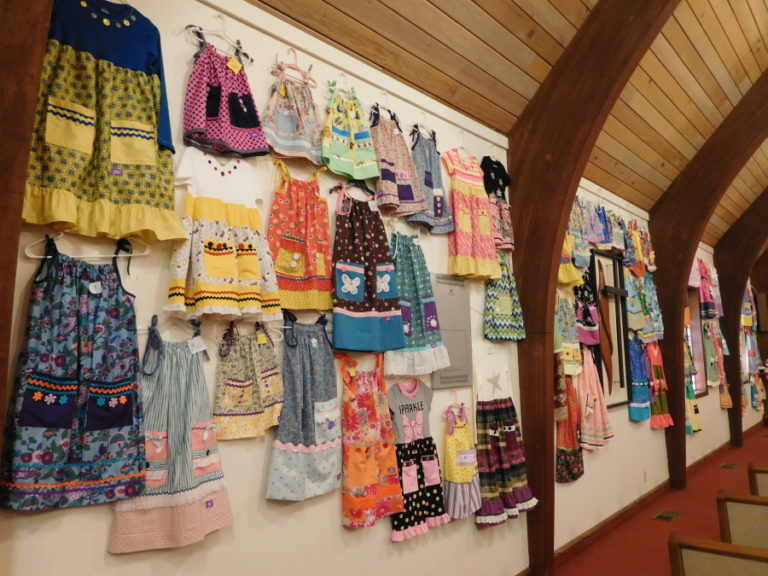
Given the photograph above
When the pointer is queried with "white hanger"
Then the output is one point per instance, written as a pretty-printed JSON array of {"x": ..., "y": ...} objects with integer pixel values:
[
  {"x": 222, "y": 33},
  {"x": 29, "y": 254}
]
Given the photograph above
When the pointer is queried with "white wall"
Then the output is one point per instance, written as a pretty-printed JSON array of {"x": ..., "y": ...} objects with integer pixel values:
[{"x": 269, "y": 537}]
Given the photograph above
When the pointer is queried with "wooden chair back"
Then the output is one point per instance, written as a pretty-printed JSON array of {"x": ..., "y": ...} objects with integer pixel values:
[
  {"x": 758, "y": 479},
  {"x": 693, "y": 557},
  {"x": 743, "y": 519}
]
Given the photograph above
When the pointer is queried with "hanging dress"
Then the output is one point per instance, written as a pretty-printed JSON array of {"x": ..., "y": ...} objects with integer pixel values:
[
  {"x": 185, "y": 497},
  {"x": 577, "y": 227},
  {"x": 417, "y": 460},
  {"x": 587, "y": 318},
  {"x": 306, "y": 453},
  {"x": 101, "y": 162},
  {"x": 366, "y": 305},
  {"x": 566, "y": 321},
  {"x": 496, "y": 180},
  {"x": 219, "y": 112},
  {"x": 503, "y": 314},
  {"x": 291, "y": 122},
  {"x": 462, "y": 485},
  {"x": 561, "y": 400},
  {"x": 596, "y": 429},
  {"x": 249, "y": 387},
  {"x": 639, "y": 405},
  {"x": 569, "y": 459},
  {"x": 708, "y": 310},
  {"x": 74, "y": 433},
  {"x": 370, "y": 486},
  {"x": 660, "y": 417},
  {"x": 299, "y": 237},
  {"x": 692, "y": 414},
  {"x": 436, "y": 217},
  {"x": 472, "y": 251},
  {"x": 224, "y": 266},
  {"x": 399, "y": 187},
  {"x": 424, "y": 352},
  {"x": 347, "y": 146},
  {"x": 567, "y": 273}
]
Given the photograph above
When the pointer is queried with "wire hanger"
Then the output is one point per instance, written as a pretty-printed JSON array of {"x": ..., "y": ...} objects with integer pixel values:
[
  {"x": 29, "y": 254},
  {"x": 198, "y": 32}
]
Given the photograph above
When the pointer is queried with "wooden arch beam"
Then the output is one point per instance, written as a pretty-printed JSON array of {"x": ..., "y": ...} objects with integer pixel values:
[
  {"x": 735, "y": 256},
  {"x": 677, "y": 223},
  {"x": 548, "y": 150}
]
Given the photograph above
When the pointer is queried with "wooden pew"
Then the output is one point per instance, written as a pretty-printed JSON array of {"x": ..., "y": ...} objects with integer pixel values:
[
  {"x": 743, "y": 519},
  {"x": 693, "y": 557},
  {"x": 758, "y": 479}
]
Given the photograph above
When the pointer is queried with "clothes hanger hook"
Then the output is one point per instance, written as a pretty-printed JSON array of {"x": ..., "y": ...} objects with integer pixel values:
[{"x": 292, "y": 50}]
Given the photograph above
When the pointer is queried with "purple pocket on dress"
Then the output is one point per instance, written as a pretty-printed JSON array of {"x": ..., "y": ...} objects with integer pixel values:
[
  {"x": 405, "y": 309},
  {"x": 427, "y": 178},
  {"x": 110, "y": 404},
  {"x": 431, "y": 322},
  {"x": 49, "y": 401}
]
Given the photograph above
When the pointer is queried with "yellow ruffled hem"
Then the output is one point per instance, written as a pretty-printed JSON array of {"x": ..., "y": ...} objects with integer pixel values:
[
  {"x": 306, "y": 300},
  {"x": 68, "y": 213},
  {"x": 478, "y": 268},
  {"x": 568, "y": 275}
]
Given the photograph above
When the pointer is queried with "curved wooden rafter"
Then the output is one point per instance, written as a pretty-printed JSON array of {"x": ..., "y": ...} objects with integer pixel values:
[
  {"x": 677, "y": 224},
  {"x": 549, "y": 147},
  {"x": 735, "y": 256}
]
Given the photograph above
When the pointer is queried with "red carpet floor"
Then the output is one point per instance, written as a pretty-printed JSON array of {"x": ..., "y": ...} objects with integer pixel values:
[{"x": 638, "y": 546}]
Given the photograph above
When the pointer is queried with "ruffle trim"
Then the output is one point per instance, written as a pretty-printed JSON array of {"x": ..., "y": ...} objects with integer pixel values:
[
  {"x": 416, "y": 362},
  {"x": 529, "y": 504},
  {"x": 289, "y": 447},
  {"x": 408, "y": 533},
  {"x": 435, "y": 521},
  {"x": 487, "y": 521},
  {"x": 659, "y": 421},
  {"x": 226, "y": 312}
]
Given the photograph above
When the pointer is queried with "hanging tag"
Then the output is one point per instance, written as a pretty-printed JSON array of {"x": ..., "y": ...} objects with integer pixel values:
[
  {"x": 396, "y": 131},
  {"x": 235, "y": 65},
  {"x": 262, "y": 338},
  {"x": 283, "y": 92},
  {"x": 373, "y": 205},
  {"x": 314, "y": 342},
  {"x": 196, "y": 345},
  {"x": 95, "y": 288},
  {"x": 352, "y": 371},
  {"x": 417, "y": 240}
]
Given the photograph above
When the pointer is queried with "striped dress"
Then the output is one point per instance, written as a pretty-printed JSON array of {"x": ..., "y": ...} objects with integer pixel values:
[
  {"x": 462, "y": 486},
  {"x": 185, "y": 497}
]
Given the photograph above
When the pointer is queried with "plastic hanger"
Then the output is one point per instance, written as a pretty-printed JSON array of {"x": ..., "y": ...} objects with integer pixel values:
[
  {"x": 304, "y": 75},
  {"x": 199, "y": 31},
  {"x": 29, "y": 254}
]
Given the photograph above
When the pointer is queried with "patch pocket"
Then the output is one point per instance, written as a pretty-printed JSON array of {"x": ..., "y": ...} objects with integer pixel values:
[
  {"x": 133, "y": 143},
  {"x": 237, "y": 392},
  {"x": 363, "y": 468},
  {"x": 483, "y": 222},
  {"x": 219, "y": 259},
  {"x": 504, "y": 305},
  {"x": 110, "y": 404},
  {"x": 70, "y": 125},
  {"x": 466, "y": 457},
  {"x": 431, "y": 468},
  {"x": 320, "y": 268},
  {"x": 248, "y": 267},
  {"x": 205, "y": 453},
  {"x": 156, "y": 453},
  {"x": 386, "y": 281},
  {"x": 242, "y": 112},
  {"x": 291, "y": 257},
  {"x": 340, "y": 142},
  {"x": 213, "y": 101},
  {"x": 410, "y": 478},
  {"x": 431, "y": 323},
  {"x": 350, "y": 281},
  {"x": 428, "y": 179},
  {"x": 464, "y": 219},
  {"x": 327, "y": 416},
  {"x": 405, "y": 309},
  {"x": 49, "y": 401}
]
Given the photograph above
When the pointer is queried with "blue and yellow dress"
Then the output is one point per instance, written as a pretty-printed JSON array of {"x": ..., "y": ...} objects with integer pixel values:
[{"x": 100, "y": 163}]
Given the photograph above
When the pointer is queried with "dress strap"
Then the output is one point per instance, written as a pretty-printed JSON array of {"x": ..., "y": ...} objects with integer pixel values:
[
  {"x": 155, "y": 349},
  {"x": 317, "y": 173},
  {"x": 228, "y": 340},
  {"x": 45, "y": 271},
  {"x": 289, "y": 319},
  {"x": 348, "y": 371},
  {"x": 284, "y": 172},
  {"x": 343, "y": 200},
  {"x": 323, "y": 321},
  {"x": 375, "y": 115}
]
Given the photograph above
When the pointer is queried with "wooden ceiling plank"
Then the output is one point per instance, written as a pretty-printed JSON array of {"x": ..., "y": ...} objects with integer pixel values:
[
  {"x": 718, "y": 223},
  {"x": 550, "y": 19},
  {"x": 623, "y": 154},
  {"x": 573, "y": 10},
  {"x": 743, "y": 76},
  {"x": 632, "y": 142},
  {"x": 738, "y": 38},
  {"x": 640, "y": 104},
  {"x": 764, "y": 147},
  {"x": 709, "y": 238},
  {"x": 664, "y": 104},
  {"x": 727, "y": 215},
  {"x": 608, "y": 181},
  {"x": 751, "y": 32},
  {"x": 493, "y": 34},
  {"x": 757, "y": 182},
  {"x": 515, "y": 19},
  {"x": 421, "y": 45},
  {"x": 635, "y": 122},
  {"x": 760, "y": 14},
  {"x": 744, "y": 190},
  {"x": 695, "y": 63},
  {"x": 736, "y": 196},
  {"x": 760, "y": 167},
  {"x": 317, "y": 18},
  {"x": 669, "y": 85},
  {"x": 618, "y": 169},
  {"x": 712, "y": 58},
  {"x": 440, "y": 26},
  {"x": 676, "y": 68},
  {"x": 729, "y": 204},
  {"x": 591, "y": 4}
]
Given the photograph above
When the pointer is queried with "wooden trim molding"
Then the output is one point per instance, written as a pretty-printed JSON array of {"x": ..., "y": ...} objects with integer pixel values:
[
  {"x": 22, "y": 46},
  {"x": 678, "y": 542},
  {"x": 677, "y": 223},
  {"x": 753, "y": 471},
  {"x": 549, "y": 147}
]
